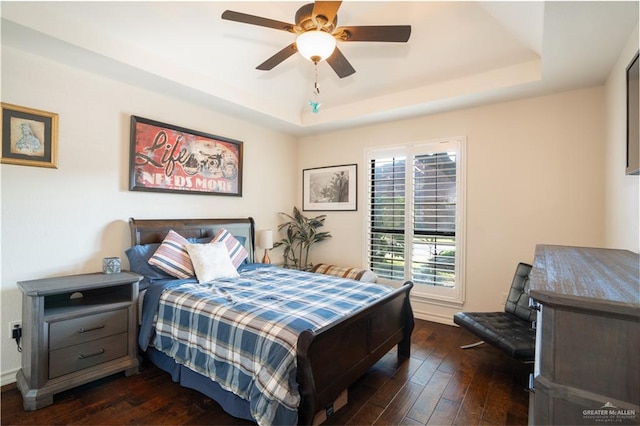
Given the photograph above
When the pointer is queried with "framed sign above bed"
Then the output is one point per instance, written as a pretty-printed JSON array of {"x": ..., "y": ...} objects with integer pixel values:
[{"x": 167, "y": 158}]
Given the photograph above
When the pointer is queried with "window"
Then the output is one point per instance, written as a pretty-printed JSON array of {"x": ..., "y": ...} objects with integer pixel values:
[{"x": 415, "y": 228}]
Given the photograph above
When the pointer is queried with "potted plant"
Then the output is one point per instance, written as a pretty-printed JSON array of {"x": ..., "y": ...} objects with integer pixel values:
[{"x": 301, "y": 233}]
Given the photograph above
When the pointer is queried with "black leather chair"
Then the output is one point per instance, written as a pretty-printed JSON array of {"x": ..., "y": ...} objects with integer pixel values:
[{"x": 511, "y": 330}]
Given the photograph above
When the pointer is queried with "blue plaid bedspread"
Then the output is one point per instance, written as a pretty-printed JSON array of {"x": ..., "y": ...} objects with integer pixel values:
[{"x": 242, "y": 332}]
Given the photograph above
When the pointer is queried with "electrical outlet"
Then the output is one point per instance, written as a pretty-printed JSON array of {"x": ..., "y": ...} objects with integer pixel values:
[
  {"x": 503, "y": 298},
  {"x": 13, "y": 325}
]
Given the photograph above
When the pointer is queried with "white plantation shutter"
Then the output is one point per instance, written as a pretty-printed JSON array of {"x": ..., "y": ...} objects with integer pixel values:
[
  {"x": 434, "y": 219},
  {"x": 415, "y": 223},
  {"x": 388, "y": 217}
]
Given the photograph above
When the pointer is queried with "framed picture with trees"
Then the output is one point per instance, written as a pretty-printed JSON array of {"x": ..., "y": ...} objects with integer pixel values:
[{"x": 330, "y": 188}]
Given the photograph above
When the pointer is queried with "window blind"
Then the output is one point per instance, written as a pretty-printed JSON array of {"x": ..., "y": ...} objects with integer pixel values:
[
  {"x": 434, "y": 219},
  {"x": 387, "y": 239}
]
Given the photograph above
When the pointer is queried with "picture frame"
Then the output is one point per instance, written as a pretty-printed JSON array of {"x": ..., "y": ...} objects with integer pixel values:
[
  {"x": 633, "y": 117},
  {"x": 332, "y": 188},
  {"x": 29, "y": 136},
  {"x": 168, "y": 158}
]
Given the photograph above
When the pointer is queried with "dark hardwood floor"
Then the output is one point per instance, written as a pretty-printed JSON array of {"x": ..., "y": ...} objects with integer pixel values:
[{"x": 440, "y": 384}]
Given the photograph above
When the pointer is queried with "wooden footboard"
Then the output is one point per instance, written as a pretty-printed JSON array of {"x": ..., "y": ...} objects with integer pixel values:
[{"x": 334, "y": 357}]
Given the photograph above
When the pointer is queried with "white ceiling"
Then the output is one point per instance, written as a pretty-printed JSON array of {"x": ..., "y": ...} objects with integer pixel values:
[{"x": 460, "y": 54}]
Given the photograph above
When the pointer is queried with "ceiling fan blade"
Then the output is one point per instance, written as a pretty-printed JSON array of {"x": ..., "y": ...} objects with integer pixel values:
[
  {"x": 386, "y": 33},
  {"x": 328, "y": 9},
  {"x": 244, "y": 18},
  {"x": 340, "y": 64},
  {"x": 277, "y": 58}
]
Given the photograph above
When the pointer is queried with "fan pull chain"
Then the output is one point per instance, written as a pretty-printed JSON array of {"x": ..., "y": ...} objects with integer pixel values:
[{"x": 315, "y": 104}]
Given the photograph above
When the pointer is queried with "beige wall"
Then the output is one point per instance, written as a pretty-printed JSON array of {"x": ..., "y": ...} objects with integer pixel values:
[
  {"x": 540, "y": 170},
  {"x": 534, "y": 175},
  {"x": 64, "y": 221},
  {"x": 622, "y": 212}
]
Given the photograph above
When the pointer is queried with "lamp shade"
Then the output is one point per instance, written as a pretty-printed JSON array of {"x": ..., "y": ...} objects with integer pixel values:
[
  {"x": 316, "y": 43},
  {"x": 265, "y": 238}
]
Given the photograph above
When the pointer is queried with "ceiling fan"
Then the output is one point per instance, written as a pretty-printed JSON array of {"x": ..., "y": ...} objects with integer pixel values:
[{"x": 317, "y": 32}]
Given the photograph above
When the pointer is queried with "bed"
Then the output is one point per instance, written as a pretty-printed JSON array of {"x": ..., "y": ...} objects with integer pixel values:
[{"x": 328, "y": 359}]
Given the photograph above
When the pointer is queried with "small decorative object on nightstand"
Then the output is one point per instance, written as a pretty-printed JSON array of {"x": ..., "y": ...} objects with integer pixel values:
[
  {"x": 76, "y": 329},
  {"x": 265, "y": 240},
  {"x": 111, "y": 265}
]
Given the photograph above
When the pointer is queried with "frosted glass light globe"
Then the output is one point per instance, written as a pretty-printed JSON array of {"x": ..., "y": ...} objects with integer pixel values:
[{"x": 316, "y": 43}]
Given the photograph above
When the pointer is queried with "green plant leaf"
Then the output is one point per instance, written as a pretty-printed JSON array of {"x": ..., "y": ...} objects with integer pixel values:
[{"x": 301, "y": 234}]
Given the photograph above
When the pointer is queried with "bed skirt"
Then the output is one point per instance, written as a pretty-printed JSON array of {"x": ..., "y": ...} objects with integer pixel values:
[{"x": 230, "y": 402}]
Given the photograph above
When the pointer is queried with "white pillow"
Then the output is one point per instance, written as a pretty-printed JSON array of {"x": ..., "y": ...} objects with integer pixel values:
[
  {"x": 369, "y": 277},
  {"x": 211, "y": 261}
]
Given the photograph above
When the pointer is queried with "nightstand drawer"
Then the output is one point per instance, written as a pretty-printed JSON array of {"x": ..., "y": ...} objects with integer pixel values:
[
  {"x": 83, "y": 329},
  {"x": 74, "y": 358}
]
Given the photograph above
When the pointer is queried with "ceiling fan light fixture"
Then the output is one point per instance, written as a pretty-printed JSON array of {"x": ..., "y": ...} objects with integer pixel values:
[{"x": 316, "y": 44}]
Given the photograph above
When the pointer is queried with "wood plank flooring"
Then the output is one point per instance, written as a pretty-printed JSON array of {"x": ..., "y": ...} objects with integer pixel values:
[{"x": 440, "y": 384}]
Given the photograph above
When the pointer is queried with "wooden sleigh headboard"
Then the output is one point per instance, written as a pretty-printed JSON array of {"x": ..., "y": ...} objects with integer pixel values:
[{"x": 147, "y": 231}]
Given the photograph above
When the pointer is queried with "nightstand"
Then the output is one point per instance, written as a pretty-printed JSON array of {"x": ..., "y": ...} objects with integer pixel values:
[{"x": 76, "y": 329}]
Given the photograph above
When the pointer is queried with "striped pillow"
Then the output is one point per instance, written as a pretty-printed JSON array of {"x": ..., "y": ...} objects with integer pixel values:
[
  {"x": 172, "y": 256},
  {"x": 357, "y": 274},
  {"x": 237, "y": 252}
]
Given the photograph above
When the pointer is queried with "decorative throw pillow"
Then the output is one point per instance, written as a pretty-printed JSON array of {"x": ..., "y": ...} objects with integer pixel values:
[
  {"x": 358, "y": 274},
  {"x": 139, "y": 256},
  {"x": 172, "y": 256},
  {"x": 237, "y": 252},
  {"x": 211, "y": 261}
]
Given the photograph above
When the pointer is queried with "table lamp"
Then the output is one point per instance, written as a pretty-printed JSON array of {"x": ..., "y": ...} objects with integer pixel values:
[{"x": 265, "y": 240}]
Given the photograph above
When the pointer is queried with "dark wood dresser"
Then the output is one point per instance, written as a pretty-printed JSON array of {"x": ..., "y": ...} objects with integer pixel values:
[{"x": 587, "y": 367}]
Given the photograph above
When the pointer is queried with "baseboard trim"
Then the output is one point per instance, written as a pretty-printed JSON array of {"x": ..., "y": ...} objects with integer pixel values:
[
  {"x": 8, "y": 377},
  {"x": 430, "y": 316}
]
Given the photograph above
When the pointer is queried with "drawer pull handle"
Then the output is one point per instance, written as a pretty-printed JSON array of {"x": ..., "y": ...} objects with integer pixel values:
[
  {"x": 84, "y": 330},
  {"x": 100, "y": 352}
]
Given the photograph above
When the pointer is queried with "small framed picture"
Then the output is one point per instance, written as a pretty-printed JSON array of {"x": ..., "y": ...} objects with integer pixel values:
[
  {"x": 330, "y": 188},
  {"x": 29, "y": 136}
]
